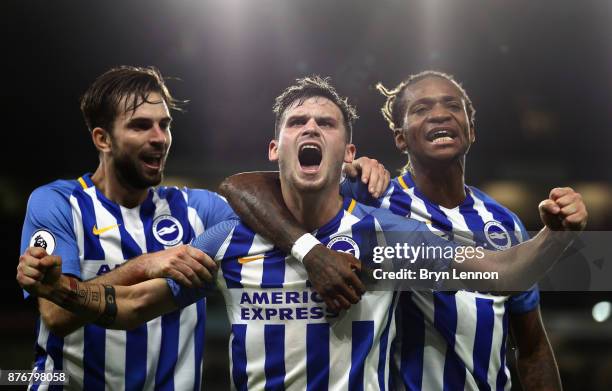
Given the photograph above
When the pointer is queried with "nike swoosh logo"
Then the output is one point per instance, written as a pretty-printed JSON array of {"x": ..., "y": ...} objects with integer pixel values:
[
  {"x": 97, "y": 231},
  {"x": 244, "y": 260}
]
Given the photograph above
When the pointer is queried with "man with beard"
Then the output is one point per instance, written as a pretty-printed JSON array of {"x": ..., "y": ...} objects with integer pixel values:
[
  {"x": 284, "y": 337},
  {"x": 114, "y": 217}
]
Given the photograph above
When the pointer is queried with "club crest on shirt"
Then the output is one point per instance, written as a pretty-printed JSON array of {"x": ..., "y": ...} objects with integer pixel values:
[
  {"x": 43, "y": 238},
  {"x": 344, "y": 244},
  {"x": 497, "y": 235},
  {"x": 167, "y": 230}
]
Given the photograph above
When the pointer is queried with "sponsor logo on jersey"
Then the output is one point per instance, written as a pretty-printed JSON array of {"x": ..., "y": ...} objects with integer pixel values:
[
  {"x": 167, "y": 230},
  {"x": 497, "y": 235},
  {"x": 44, "y": 239},
  {"x": 344, "y": 244}
]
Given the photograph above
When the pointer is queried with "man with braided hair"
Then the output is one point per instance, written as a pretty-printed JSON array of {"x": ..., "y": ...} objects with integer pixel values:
[{"x": 454, "y": 340}]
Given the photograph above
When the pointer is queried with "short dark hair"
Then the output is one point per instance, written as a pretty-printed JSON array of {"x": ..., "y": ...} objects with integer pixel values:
[
  {"x": 132, "y": 85},
  {"x": 309, "y": 87},
  {"x": 395, "y": 107}
]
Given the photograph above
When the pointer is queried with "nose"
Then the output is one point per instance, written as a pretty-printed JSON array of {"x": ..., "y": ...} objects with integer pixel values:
[
  {"x": 311, "y": 128},
  {"x": 158, "y": 135},
  {"x": 439, "y": 114}
]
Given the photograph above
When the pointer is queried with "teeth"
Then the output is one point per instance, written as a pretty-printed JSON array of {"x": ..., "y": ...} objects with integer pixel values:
[
  {"x": 308, "y": 146},
  {"x": 442, "y": 140}
]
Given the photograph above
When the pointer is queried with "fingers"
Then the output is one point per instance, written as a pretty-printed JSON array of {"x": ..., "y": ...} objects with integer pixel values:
[
  {"x": 379, "y": 180},
  {"x": 50, "y": 261},
  {"x": 31, "y": 272},
  {"x": 202, "y": 258},
  {"x": 37, "y": 252},
  {"x": 549, "y": 206},
  {"x": 559, "y": 192},
  {"x": 350, "y": 169},
  {"x": 366, "y": 169},
  {"x": 202, "y": 271},
  {"x": 187, "y": 273}
]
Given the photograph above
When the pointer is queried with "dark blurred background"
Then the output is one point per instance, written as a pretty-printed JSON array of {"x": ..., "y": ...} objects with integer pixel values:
[{"x": 539, "y": 74}]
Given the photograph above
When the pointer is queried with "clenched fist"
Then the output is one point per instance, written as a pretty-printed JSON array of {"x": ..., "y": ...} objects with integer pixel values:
[{"x": 564, "y": 210}]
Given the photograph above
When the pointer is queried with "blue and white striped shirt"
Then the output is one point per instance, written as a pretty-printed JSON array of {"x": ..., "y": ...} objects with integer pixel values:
[
  {"x": 452, "y": 340},
  {"x": 73, "y": 219},
  {"x": 283, "y": 335}
]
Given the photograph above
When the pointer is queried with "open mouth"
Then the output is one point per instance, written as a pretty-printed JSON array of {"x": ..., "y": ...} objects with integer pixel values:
[
  {"x": 310, "y": 156},
  {"x": 439, "y": 136},
  {"x": 154, "y": 162}
]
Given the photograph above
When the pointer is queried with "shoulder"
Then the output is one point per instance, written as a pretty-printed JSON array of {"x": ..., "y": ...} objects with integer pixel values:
[
  {"x": 491, "y": 201},
  {"x": 53, "y": 194},
  {"x": 385, "y": 219}
]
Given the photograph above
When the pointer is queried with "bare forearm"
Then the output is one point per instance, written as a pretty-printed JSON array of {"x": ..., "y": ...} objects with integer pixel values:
[
  {"x": 257, "y": 199},
  {"x": 91, "y": 302},
  {"x": 518, "y": 267},
  {"x": 63, "y": 322}
]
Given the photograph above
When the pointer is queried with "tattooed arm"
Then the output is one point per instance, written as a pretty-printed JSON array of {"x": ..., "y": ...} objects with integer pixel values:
[{"x": 117, "y": 307}]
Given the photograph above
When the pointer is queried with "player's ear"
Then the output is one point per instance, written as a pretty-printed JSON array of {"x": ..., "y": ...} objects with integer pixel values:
[
  {"x": 101, "y": 139},
  {"x": 472, "y": 133},
  {"x": 349, "y": 153},
  {"x": 400, "y": 140},
  {"x": 273, "y": 151}
]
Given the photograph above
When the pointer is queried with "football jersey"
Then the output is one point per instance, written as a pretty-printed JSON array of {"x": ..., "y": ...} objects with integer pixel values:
[
  {"x": 452, "y": 340},
  {"x": 93, "y": 235},
  {"x": 282, "y": 334}
]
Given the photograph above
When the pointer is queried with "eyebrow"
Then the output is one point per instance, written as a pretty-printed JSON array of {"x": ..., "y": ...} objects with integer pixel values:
[
  {"x": 445, "y": 98},
  {"x": 135, "y": 120},
  {"x": 317, "y": 118}
]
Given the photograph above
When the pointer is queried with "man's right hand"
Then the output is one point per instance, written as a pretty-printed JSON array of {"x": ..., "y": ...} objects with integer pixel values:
[
  {"x": 38, "y": 272},
  {"x": 186, "y": 265},
  {"x": 333, "y": 277}
]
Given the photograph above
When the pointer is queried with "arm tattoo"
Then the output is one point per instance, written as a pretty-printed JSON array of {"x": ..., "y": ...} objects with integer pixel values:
[
  {"x": 110, "y": 309},
  {"x": 79, "y": 297}
]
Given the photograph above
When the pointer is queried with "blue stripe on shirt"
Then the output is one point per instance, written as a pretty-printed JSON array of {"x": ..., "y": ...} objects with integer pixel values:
[
  {"x": 93, "y": 357},
  {"x": 483, "y": 341},
  {"x": 274, "y": 341},
  {"x": 317, "y": 356},
  {"x": 239, "y": 359},
  {"x": 445, "y": 321},
  {"x": 362, "y": 340}
]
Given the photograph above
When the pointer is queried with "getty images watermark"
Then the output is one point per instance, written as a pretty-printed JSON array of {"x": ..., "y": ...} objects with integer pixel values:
[{"x": 427, "y": 255}]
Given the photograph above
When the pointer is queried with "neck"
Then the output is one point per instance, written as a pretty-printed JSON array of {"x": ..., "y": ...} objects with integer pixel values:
[
  {"x": 443, "y": 183},
  {"x": 312, "y": 210},
  {"x": 105, "y": 179}
]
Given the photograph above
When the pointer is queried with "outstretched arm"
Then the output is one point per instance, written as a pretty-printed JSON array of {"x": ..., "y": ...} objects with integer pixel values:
[
  {"x": 117, "y": 307},
  {"x": 257, "y": 199},
  {"x": 187, "y": 265},
  {"x": 519, "y": 267}
]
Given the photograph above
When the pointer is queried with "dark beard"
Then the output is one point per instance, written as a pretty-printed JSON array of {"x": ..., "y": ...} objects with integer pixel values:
[{"x": 129, "y": 176}]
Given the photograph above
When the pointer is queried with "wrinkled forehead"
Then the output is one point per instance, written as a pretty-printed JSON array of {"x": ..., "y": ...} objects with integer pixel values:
[
  {"x": 432, "y": 87},
  {"x": 318, "y": 106}
]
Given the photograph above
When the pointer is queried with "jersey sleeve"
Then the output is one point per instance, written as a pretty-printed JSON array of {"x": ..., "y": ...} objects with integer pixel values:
[
  {"x": 49, "y": 224},
  {"x": 355, "y": 188},
  {"x": 210, "y": 207},
  {"x": 209, "y": 242},
  {"x": 530, "y": 299}
]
